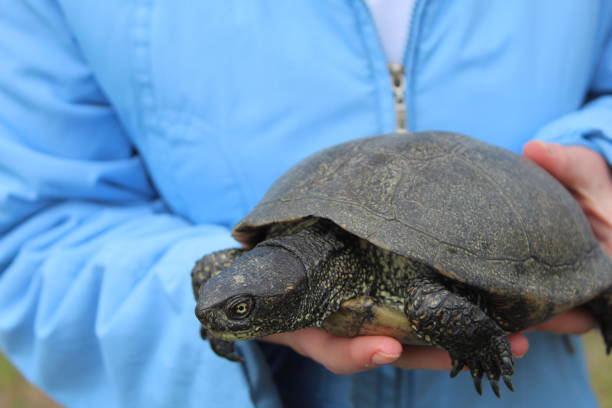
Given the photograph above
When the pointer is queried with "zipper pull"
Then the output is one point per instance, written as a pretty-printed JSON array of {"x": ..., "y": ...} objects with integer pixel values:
[{"x": 399, "y": 87}]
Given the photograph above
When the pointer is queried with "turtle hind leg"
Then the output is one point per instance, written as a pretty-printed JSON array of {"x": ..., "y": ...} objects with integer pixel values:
[
  {"x": 444, "y": 318},
  {"x": 601, "y": 307}
]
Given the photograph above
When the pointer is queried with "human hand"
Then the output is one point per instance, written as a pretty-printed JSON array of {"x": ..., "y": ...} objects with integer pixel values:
[
  {"x": 342, "y": 355},
  {"x": 586, "y": 176}
]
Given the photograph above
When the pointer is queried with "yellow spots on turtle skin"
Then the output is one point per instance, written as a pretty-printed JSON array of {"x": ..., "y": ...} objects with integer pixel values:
[
  {"x": 427, "y": 338},
  {"x": 289, "y": 288},
  {"x": 383, "y": 293},
  {"x": 368, "y": 301},
  {"x": 238, "y": 279}
]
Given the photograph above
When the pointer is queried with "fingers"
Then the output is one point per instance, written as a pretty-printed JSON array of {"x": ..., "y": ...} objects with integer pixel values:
[
  {"x": 341, "y": 355},
  {"x": 575, "y": 321},
  {"x": 519, "y": 344},
  {"x": 578, "y": 168},
  {"x": 424, "y": 358},
  {"x": 586, "y": 175}
]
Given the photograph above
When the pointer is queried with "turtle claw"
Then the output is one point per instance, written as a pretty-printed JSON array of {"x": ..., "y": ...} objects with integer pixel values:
[
  {"x": 508, "y": 382},
  {"x": 457, "y": 366},
  {"x": 477, "y": 377},
  {"x": 606, "y": 331},
  {"x": 493, "y": 376},
  {"x": 494, "y": 361},
  {"x": 495, "y": 387}
]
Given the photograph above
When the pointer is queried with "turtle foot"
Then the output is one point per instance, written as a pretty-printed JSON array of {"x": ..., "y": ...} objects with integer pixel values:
[
  {"x": 601, "y": 307},
  {"x": 221, "y": 348},
  {"x": 448, "y": 319},
  {"x": 494, "y": 361},
  {"x": 605, "y": 326},
  {"x": 606, "y": 331},
  {"x": 224, "y": 349}
]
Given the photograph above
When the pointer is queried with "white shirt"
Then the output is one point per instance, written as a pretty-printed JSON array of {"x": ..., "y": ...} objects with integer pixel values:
[{"x": 392, "y": 19}]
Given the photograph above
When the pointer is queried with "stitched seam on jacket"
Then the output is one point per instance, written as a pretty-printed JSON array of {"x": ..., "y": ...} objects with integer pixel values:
[
  {"x": 141, "y": 66},
  {"x": 361, "y": 13}
]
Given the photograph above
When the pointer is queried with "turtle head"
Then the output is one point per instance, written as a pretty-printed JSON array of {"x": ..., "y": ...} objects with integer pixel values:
[{"x": 258, "y": 295}]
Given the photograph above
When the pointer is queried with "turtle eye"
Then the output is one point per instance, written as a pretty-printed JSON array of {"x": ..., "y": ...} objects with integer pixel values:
[{"x": 240, "y": 307}]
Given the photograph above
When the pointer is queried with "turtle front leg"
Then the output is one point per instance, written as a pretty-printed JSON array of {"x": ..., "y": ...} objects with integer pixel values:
[
  {"x": 601, "y": 307},
  {"x": 204, "y": 269},
  {"x": 449, "y": 320}
]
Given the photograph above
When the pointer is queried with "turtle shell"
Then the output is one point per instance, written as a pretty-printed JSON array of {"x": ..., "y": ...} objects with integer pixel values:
[{"x": 477, "y": 213}]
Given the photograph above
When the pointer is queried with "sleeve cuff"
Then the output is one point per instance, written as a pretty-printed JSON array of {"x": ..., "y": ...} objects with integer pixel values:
[{"x": 590, "y": 127}]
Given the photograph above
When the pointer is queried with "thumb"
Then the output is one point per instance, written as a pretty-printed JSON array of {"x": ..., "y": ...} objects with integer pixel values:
[
  {"x": 341, "y": 355},
  {"x": 575, "y": 167},
  {"x": 586, "y": 175}
]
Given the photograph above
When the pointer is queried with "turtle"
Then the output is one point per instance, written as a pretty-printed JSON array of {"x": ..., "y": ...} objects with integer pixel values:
[{"x": 430, "y": 237}]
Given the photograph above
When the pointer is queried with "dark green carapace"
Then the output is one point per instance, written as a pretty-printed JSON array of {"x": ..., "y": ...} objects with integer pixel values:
[{"x": 428, "y": 237}]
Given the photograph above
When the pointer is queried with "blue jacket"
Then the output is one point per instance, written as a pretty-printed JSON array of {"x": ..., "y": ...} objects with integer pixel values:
[{"x": 134, "y": 134}]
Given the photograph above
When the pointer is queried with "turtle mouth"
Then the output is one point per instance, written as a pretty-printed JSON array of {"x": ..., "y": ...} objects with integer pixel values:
[
  {"x": 236, "y": 335},
  {"x": 216, "y": 323}
]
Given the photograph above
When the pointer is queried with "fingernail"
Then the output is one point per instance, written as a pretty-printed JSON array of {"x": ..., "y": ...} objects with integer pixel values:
[
  {"x": 547, "y": 146},
  {"x": 381, "y": 358}
]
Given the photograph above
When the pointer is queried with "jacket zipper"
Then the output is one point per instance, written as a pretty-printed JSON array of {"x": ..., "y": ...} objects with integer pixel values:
[
  {"x": 396, "y": 71},
  {"x": 398, "y": 85}
]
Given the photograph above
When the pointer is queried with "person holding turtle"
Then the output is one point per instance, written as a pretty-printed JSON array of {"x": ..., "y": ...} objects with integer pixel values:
[
  {"x": 134, "y": 135},
  {"x": 428, "y": 237}
]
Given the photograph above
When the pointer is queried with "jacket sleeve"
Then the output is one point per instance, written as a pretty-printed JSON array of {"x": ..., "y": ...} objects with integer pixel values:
[
  {"x": 95, "y": 300},
  {"x": 590, "y": 126}
]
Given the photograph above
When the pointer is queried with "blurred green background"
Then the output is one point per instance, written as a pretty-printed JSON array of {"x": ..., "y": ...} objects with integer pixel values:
[{"x": 17, "y": 393}]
